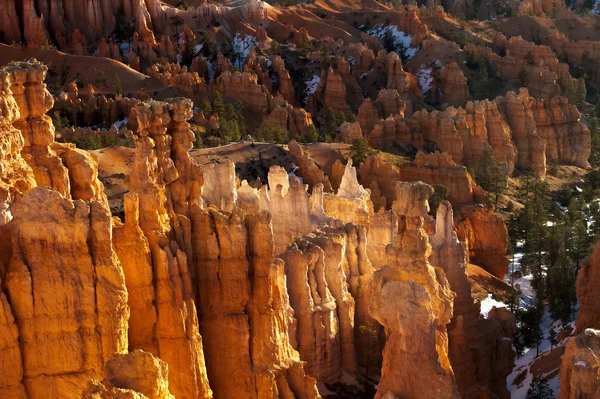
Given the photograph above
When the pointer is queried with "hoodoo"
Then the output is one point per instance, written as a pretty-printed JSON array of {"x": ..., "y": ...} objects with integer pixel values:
[{"x": 299, "y": 200}]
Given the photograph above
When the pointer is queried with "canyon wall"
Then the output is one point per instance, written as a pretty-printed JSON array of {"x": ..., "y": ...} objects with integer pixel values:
[
  {"x": 587, "y": 293},
  {"x": 211, "y": 288},
  {"x": 518, "y": 129},
  {"x": 411, "y": 298},
  {"x": 579, "y": 366}
]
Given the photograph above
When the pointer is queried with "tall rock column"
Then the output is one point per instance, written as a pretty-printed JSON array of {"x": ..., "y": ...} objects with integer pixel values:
[
  {"x": 588, "y": 294},
  {"x": 531, "y": 148},
  {"x": 480, "y": 350},
  {"x": 66, "y": 289},
  {"x": 155, "y": 250},
  {"x": 29, "y": 91},
  {"x": 16, "y": 175},
  {"x": 248, "y": 354},
  {"x": 413, "y": 301},
  {"x": 579, "y": 367}
]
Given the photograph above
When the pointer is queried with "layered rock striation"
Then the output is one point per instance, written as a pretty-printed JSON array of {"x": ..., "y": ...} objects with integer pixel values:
[
  {"x": 519, "y": 130},
  {"x": 412, "y": 298}
]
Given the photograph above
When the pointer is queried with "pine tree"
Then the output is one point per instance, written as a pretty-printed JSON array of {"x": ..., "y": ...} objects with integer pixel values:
[
  {"x": 594, "y": 213},
  {"x": 218, "y": 106},
  {"x": 539, "y": 389},
  {"x": 271, "y": 133},
  {"x": 491, "y": 176},
  {"x": 359, "y": 151},
  {"x": 440, "y": 193},
  {"x": 206, "y": 108},
  {"x": 552, "y": 338},
  {"x": 595, "y": 136},
  {"x": 580, "y": 93},
  {"x": 561, "y": 285}
]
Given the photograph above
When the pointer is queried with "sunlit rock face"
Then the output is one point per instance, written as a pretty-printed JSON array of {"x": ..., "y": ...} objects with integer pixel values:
[
  {"x": 587, "y": 291},
  {"x": 212, "y": 288},
  {"x": 480, "y": 350},
  {"x": 244, "y": 309},
  {"x": 579, "y": 367},
  {"x": 412, "y": 298}
]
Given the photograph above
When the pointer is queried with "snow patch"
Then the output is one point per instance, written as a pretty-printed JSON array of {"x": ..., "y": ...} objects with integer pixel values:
[
  {"x": 120, "y": 124},
  {"x": 241, "y": 47},
  {"x": 124, "y": 48},
  {"x": 488, "y": 303},
  {"x": 425, "y": 76},
  {"x": 212, "y": 67},
  {"x": 402, "y": 41},
  {"x": 311, "y": 87},
  {"x": 581, "y": 363}
]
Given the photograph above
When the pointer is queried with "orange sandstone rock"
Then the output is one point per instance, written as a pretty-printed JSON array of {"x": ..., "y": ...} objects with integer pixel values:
[
  {"x": 453, "y": 85},
  {"x": 579, "y": 367},
  {"x": 409, "y": 297},
  {"x": 587, "y": 292}
]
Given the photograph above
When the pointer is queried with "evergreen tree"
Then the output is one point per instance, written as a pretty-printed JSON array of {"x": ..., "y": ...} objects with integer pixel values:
[
  {"x": 177, "y": 21},
  {"x": 271, "y": 133},
  {"x": 491, "y": 176},
  {"x": 440, "y": 193},
  {"x": 552, "y": 338},
  {"x": 594, "y": 213},
  {"x": 218, "y": 106},
  {"x": 528, "y": 321},
  {"x": 561, "y": 286},
  {"x": 312, "y": 136},
  {"x": 580, "y": 93},
  {"x": 330, "y": 122},
  {"x": 359, "y": 151},
  {"x": 595, "y": 136},
  {"x": 206, "y": 108},
  {"x": 539, "y": 389}
]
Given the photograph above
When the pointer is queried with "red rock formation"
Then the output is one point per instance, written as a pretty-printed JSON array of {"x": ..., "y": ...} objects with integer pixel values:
[
  {"x": 519, "y": 130},
  {"x": 486, "y": 237},
  {"x": 308, "y": 169},
  {"x": 285, "y": 82},
  {"x": 453, "y": 84},
  {"x": 156, "y": 265},
  {"x": 567, "y": 139},
  {"x": 411, "y": 298},
  {"x": 587, "y": 292},
  {"x": 296, "y": 121},
  {"x": 36, "y": 127},
  {"x": 45, "y": 227},
  {"x": 349, "y": 132},
  {"x": 131, "y": 374},
  {"x": 246, "y": 329},
  {"x": 323, "y": 307},
  {"x": 256, "y": 10},
  {"x": 536, "y": 7},
  {"x": 480, "y": 349},
  {"x": 435, "y": 168},
  {"x": 244, "y": 87},
  {"x": 368, "y": 116},
  {"x": 579, "y": 367},
  {"x": 531, "y": 148},
  {"x": 527, "y": 64},
  {"x": 330, "y": 93},
  {"x": 176, "y": 75},
  {"x": 16, "y": 176},
  {"x": 398, "y": 79}
]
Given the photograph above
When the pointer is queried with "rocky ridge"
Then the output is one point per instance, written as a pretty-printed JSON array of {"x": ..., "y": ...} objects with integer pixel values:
[{"x": 169, "y": 300}]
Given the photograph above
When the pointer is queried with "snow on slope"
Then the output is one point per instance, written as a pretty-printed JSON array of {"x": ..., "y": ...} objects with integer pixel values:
[{"x": 402, "y": 41}]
